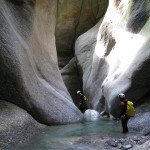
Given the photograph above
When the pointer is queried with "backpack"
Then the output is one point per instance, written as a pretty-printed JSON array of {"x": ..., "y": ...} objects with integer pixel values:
[
  {"x": 85, "y": 99},
  {"x": 130, "y": 109}
]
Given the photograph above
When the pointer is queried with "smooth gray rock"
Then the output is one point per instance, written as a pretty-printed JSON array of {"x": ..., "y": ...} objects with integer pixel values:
[
  {"x": 17, "y": 127},
  {"x": 119, "y": 61},
  {"x": 146, "y": 131},
  {"x": 91, "y": 115},
  {"x": 141, "y": 120},
  {"x": 30, "y": 77},
  {"x": 72, "y": 80},
  {"x": 73, "y": 19}
]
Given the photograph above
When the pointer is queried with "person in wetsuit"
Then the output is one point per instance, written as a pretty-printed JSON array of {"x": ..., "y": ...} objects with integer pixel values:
[
  {"x": 123, "y": 108},
  {"x": 82, "y": 101}
]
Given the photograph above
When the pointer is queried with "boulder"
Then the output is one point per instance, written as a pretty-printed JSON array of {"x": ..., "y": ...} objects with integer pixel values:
[
  {"x": 91, "y": 115},
  {"x": 17, "y": 126}
]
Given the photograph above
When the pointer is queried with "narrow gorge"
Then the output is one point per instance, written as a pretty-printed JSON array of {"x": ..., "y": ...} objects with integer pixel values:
[{"x": 50, "y": 49}]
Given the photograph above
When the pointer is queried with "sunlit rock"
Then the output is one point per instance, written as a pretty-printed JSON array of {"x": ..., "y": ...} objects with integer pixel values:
[
  {"x": 91, "y": 115},
  {"x": 84, "y": 47},
  {"x": 120, "y": 59},
  {"x": 111, "y": 57}
]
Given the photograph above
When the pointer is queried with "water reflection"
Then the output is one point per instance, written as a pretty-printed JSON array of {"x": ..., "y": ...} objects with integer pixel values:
[{"x": 81, "y": 136}]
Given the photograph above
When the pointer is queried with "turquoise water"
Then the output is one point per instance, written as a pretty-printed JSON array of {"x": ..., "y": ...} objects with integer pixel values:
[{"x": 81, "y": 136}]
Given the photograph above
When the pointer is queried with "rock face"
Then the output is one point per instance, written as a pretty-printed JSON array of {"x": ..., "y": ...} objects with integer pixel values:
[
  {"x": 41, "y": 74},
  {"x": 30, "y": 77},
  {"x": 40, "y": 71},
  {"x": 119, "y": 61},
  {"x": 17, "y": 126},
  {"x": 73, "y": 19}
]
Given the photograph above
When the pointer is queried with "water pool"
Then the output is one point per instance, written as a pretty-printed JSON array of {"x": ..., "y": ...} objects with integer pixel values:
[{"x": 81, "y": 136}]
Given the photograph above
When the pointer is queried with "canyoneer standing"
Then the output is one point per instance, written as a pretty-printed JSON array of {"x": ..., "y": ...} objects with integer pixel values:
[
  {"x": 83, "y": 106},
  {"x": 126, "y": 111}
]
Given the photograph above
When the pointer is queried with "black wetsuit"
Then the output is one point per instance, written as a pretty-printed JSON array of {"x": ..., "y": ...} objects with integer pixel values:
[
  {"x": 82, "y": 103},
  {"x": 124, "y": 118}
]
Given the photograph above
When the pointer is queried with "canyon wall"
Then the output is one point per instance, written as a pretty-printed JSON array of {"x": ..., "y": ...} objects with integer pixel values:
[
  {"x": 30, "y": 77},
  {"x": 35, "y": 37},
  {"x": 50, "y": 49},
  {"x": 120, "y": 56}
]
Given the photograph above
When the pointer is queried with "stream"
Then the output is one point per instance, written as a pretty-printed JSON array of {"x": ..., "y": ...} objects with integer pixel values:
[{"x": 81, "y": 136}]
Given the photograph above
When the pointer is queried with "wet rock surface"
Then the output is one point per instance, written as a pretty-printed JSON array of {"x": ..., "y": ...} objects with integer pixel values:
[
  {"x": 105, "y": 143},
  {"x": 132, "y": 143},
  {"x": 30, "y": 77},
  {"x": 128, "y": 143}
]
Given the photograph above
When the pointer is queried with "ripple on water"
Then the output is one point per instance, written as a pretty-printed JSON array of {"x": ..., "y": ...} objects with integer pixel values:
[{"x": 81, "y": 136}]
